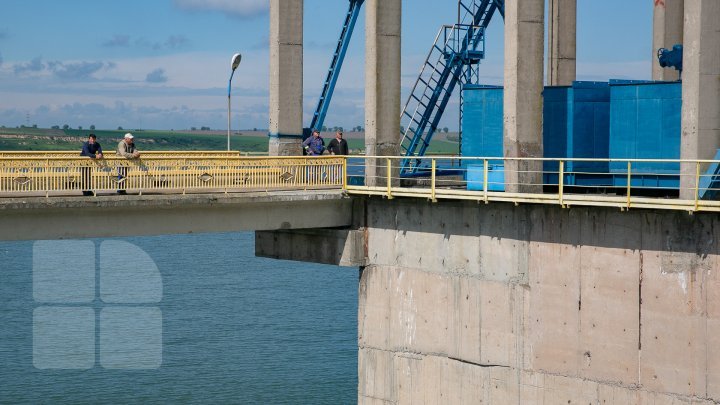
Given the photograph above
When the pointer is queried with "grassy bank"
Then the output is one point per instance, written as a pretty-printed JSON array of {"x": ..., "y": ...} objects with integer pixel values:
[{"x": 16, "y": 139}]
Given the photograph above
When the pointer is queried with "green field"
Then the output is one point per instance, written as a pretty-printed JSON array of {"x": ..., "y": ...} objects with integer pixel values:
[{"x": 34, "y": 139}]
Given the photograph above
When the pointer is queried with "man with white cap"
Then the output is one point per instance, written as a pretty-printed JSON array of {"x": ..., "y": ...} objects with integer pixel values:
[{"x": 126, "y": 148}]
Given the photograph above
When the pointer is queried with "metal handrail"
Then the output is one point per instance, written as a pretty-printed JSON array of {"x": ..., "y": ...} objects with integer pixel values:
[
  {"x": 58, "y": 175},
  {"x": 70, "y": 175},
  {"x": 69, "y": 153},
  {"x": 627, "y": 194}
]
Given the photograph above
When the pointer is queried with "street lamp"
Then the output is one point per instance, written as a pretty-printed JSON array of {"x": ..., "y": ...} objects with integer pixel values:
[{"x": 233, "y": 65}]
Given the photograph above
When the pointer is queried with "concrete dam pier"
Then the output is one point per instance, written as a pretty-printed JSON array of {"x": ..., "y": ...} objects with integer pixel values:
[
  {"x": 463, "y": 302},
  {"x": 468, "y": 303},
  {"x": 502, "y": 303}
]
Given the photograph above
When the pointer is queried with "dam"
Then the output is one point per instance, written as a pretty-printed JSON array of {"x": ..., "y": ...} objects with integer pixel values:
[{"x": 517, "y": 283}]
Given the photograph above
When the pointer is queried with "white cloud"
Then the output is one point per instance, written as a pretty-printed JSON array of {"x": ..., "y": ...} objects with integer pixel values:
[{"x": 236, "y": 8}]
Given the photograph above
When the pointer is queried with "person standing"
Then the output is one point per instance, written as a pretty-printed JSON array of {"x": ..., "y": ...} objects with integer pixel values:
[
  {"x": 126, "y": 148},
  {"x": 338, "y": 146},
  {"x": 92, "y": 149},
  {"x": 314, "y": 145}
]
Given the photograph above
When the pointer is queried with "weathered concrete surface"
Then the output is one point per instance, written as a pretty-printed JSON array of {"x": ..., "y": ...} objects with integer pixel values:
[
  {"x": 667, "y": 31},
  {"x": 382, "y": 85},
  {"x": 39, "y": 218},
  {"x": 468, "y": 303},
  {"x": 341, "y": 247},
  {"x": 522, "y": 102},
  {"x": 286, "y": 77},
  {"x": 700, "y": 136},
  {"x": 562, "y": 40}
]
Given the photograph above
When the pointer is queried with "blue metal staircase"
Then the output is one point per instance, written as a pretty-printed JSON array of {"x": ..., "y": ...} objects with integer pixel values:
[
  {"x": 335, "y": 66},
  {"x": 454, "y": 57}
]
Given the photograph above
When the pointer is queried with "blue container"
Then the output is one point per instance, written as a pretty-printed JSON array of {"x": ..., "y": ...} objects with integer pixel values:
[
  {"x": 482, "y": 121},
  {"x": 576, "y": 124},
  {"x": 645, "y": 124},
  {"x": 496, "y": 177}
]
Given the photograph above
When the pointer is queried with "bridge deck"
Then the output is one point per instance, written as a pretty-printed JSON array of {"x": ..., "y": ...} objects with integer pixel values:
[{"x": 37, "y": 218}]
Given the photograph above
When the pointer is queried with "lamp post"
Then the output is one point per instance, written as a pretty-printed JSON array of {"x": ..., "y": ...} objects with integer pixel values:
[{"x": 233, "y": 65}]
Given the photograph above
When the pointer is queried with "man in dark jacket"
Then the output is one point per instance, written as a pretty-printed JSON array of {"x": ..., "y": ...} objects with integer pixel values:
[
  {"x": 93, "y": 150},
  {"x": 338, "y": 146}
]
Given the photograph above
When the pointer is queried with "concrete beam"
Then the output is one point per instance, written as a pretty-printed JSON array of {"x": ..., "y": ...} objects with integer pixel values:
[
  {"x": 341, "y": 247},
  {"x": 667, "y": 31},
  {"x": 41, "y": 218},
  {"x": 522, "y": 129},
  {"x": 286, "y": 77},
  {"x": 562, "y": 40},
  {"x": 382, "y": 84},
  {"x": 700, "y": 137}
]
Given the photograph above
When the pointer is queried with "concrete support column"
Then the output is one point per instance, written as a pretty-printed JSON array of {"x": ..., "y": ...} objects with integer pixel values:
[
  {"x": 522, "y": 129},
  {"x": 382, "y": 85},
  {"x": 562, "y": 34},
  {"x": 700, "y": 89},
  {"x": 667, "y": 31},
  {"x": 286, "y": 77}
]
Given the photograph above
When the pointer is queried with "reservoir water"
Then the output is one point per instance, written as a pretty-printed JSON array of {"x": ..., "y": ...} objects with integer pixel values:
[{"x": 235, "y": 329}]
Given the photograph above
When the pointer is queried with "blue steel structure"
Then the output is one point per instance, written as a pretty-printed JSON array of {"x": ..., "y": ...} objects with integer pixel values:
[
  {"x": 335, "y": 66},
  {"x": 453, "y": 58}
]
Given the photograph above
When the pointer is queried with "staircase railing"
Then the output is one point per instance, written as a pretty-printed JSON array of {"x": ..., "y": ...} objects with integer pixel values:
[{"x": 455, "y": 48}]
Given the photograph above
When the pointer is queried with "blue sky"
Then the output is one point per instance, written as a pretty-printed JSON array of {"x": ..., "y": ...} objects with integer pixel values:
[{"x": 164, "y": 64}]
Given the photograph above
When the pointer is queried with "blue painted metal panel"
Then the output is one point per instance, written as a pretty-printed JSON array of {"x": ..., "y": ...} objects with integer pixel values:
[
  {"x": 496, "y": 177},
  {"x": 482, "y": 123},
  {"x": 645, "y": 124},
  {"x": 557, "y": 114},
  {"x": 576, "y": 125}
]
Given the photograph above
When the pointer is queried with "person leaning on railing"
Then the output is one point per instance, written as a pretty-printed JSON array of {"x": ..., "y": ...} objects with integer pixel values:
[
  {"x": 314, "y": 145},
  {"x": 126, "y": 148},
  {"x": 92, "y": 149}
]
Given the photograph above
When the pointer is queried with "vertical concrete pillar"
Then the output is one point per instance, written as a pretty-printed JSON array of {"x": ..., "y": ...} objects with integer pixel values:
[
  {"x": 562, "y": 41},
  {"x": 286, "y": 77},
  {"x": 522, "y": 129},
  {"x": 700, "y": 89},
  {"x": 382, "y": 84},
  {"x": 667, "y": 31}
]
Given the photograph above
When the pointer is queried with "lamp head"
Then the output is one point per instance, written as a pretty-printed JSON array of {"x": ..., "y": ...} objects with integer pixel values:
[{"x": 235, "y": 61}]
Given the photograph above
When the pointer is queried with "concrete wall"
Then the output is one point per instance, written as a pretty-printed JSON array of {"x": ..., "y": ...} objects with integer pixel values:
[
  {"x": 667, "y": 31},
  {"x": 382, "y": 85},
  {"x": 562, "y": 42},
  {"x": 463, "y": 303},
  {"x": 522, "y": 100},
  {"x": 286, "y": 77},
  {"x": 700, "y": 137}
]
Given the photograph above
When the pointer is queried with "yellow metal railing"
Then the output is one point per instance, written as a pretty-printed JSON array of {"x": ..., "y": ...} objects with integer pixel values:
[
  {"x": 622, "y": 183},
  {"x": 70, "y": 175},
  {"x": 110, "y": 153}
]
